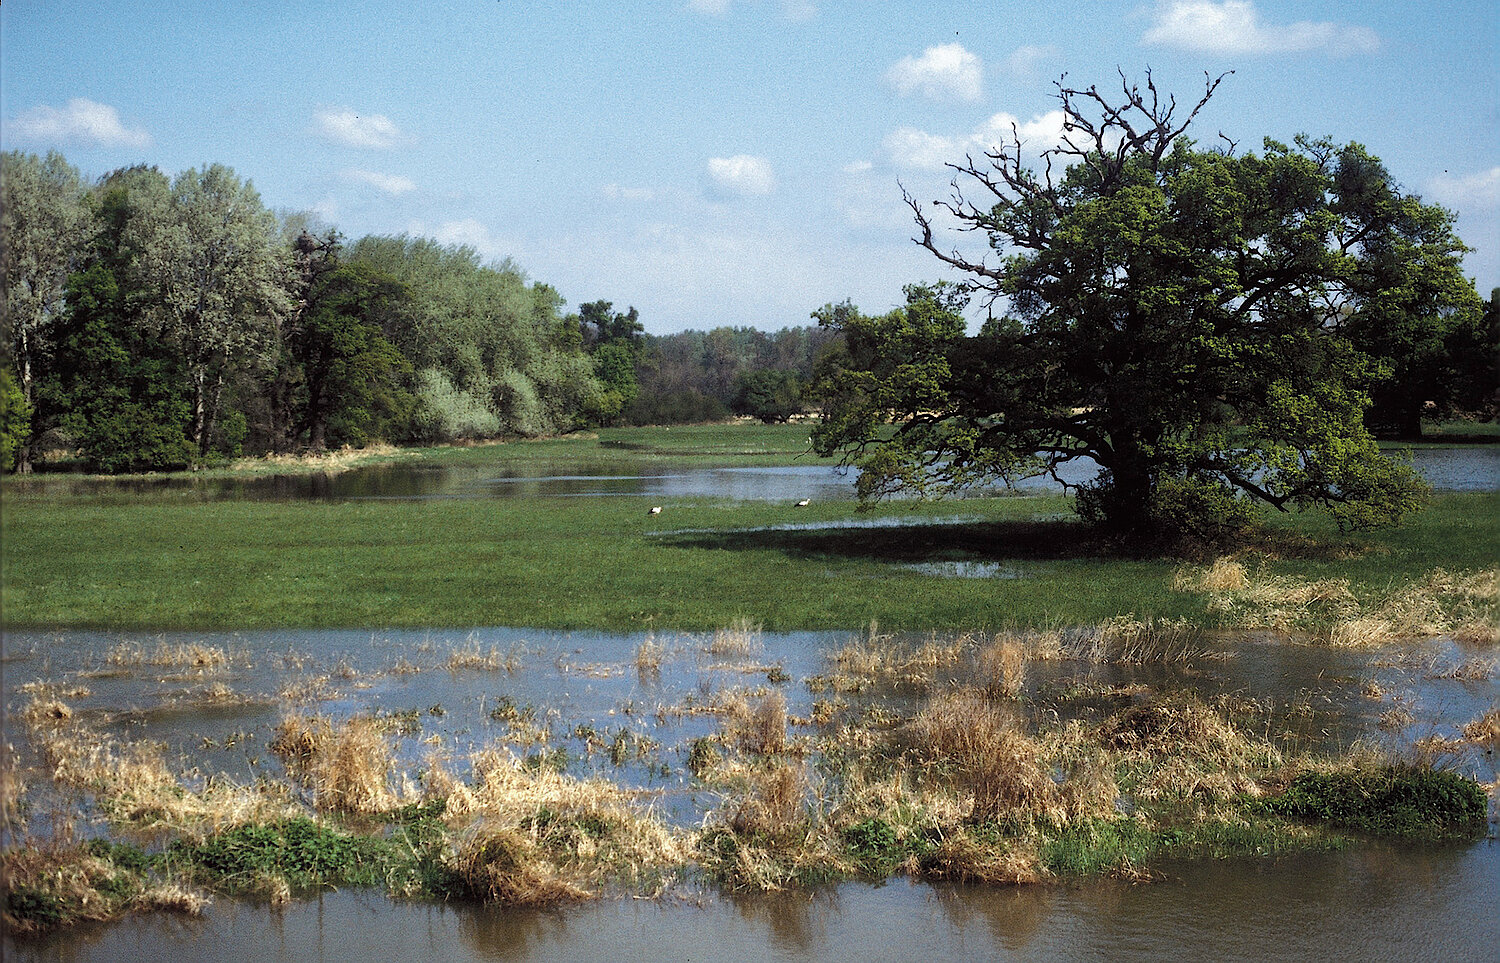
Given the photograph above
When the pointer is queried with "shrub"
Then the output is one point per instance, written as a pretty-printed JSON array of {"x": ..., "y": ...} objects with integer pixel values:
[{"x": 1398, "y": 801}]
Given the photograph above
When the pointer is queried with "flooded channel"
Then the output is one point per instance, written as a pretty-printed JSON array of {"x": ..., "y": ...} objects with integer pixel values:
[
  {"x": 212, "y": 702},
  {"x": 1469, "y": 468}
]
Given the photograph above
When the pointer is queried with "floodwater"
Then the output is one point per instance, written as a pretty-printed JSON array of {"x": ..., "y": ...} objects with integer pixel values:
[
  {"x": 1467, "y": 468},
  {"x": 1376, "y": 901}
]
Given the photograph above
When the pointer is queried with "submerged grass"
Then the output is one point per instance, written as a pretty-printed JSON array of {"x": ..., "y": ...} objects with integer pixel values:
[{"x": 971, "y": 782}]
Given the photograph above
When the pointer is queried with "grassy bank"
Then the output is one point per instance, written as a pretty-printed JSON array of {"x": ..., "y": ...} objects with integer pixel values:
[
  {"x": 574, "y": 563},
  {"x": 176, "y": 561}
]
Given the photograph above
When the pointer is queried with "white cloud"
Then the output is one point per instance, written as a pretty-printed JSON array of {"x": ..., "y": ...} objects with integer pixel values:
[
  {"x": 617, "y": 193},
  {"x": 1473, "y": 191},
  {"x": 913, "y": 148},
  {"x": 352, "y": 129},
  {"x": 1235, "y": 27},
  {"x": 392, "y": 184},
  {"x": 83, "y": 121},
  {"x": 797, "y": 10},
  {"x": 470, "y": 232},
  {"x": 945, "y": 71},
  {"x": 1026, "y": 61},
  {"x": 741, "y": 174}
]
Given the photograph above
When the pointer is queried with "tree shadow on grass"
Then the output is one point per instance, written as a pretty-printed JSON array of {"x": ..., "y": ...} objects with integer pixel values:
[
  {"x": 984, "y": 541},
  {"x": 954, "y": 541}
]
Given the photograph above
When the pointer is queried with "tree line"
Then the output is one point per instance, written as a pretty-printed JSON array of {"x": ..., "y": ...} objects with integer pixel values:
[{"x": 158, "y": 323}]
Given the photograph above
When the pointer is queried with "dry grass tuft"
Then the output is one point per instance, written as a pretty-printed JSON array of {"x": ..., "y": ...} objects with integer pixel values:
[
  {"x": 648, "y": 656},
  {"x": 510, "y": 866},
  {"x": 978, "y": 746},
  {"x": 186, "y": 655},
  {"x": 741, "y": 640},
  {"x": 131, "y": 785},
  {"x": 1173, "y": 724},
  {"x": 470, "y": 655},
  {"x": 1002, "y": 668},
  {"x": 882, "y": 659},
  {"x": 327, "y": 462},
  {"x": 1224, "y": 575},
  {"x": 772, "y": 804},
  {"x": 960, "y": 858},
  {"x": 347, "y": 768},
  {"x": 1473, "y": 669},
  {"x": 1127, "y": 640},
  {"x": 1485, "y": 731},
  {"x": 1463, "y": 605},
  {"x": 758, "y": 726}
]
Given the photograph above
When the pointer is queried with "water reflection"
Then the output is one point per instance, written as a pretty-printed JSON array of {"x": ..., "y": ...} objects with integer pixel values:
[
  {"x": 1376, "y": 903},
  {"x": 1473, "y": 468}
]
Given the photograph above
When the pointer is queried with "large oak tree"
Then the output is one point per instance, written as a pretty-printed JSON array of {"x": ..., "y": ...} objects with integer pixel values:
[{"x": 1171, "y": 312}]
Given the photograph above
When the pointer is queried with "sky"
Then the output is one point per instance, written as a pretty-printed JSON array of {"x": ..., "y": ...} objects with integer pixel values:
[{"x": 719, "y": 162}]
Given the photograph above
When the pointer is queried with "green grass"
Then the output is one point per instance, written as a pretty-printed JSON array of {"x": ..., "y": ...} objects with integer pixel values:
[{"x": 168, "y": 561}]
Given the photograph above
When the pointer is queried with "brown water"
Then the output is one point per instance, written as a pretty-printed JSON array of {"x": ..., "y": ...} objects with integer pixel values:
[{"x": 1376, "y": 902}]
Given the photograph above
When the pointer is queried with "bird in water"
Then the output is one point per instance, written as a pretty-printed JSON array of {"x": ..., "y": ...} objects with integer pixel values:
[{"x": 655, "y": 510}]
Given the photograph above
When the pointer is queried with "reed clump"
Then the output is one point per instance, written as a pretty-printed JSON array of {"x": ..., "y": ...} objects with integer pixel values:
[
  {"x": 884, "y": 660},
  {"x": 758, "y": 726},
  {"x": 1126, "y": 640},
  {"x": 346, "y": 767},
  {"x": 964, "y": 737},
  {"x": 474, "y": 657},
  {"x": 648, "y": 656},
  {"x": 740, "y": 640},
  {"x": 540, "y": 836},
  {"x": 1002, "y": 668},
  {"x": 185, "y": 655},
  {"x": 46, "y": 884}
]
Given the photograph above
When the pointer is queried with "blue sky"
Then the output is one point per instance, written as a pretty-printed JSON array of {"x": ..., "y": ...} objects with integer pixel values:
[{"x": 717, "y": 161}]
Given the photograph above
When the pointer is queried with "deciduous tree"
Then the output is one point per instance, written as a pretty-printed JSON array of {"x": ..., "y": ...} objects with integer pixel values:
[{"x": 1168, "y": 311}]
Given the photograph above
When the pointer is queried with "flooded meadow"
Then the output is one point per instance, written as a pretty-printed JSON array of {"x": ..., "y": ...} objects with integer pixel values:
[{"x": 687, "y": 734}]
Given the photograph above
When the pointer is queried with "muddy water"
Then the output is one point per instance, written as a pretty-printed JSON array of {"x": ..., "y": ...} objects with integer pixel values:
[
  {"x": 1377, "y": 902},
  {"x": 1471, "y": 468}
]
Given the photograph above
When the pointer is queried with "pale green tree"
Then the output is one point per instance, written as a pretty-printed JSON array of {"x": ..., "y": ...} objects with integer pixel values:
[
  {"x": 44, "y": 229},
  {"x": 214, "y": 278}
]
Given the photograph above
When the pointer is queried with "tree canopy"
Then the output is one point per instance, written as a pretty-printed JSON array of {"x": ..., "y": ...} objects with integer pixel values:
[{"x": 1182, "y": 317}]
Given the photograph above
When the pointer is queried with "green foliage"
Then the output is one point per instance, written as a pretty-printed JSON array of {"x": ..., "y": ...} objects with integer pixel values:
[
  {"x": 1168, "y": 319},
  {"x": 15, "y": 419},
  {"x": 352, "y": 377},
  {"x": 300, "y": 851},
  {"x": 498, "y": 343},
  {"x": 874, "y": 847},
  {"x": 446, "y": 413},
  {"x": 1397, "y": 801},
  {"x": 676, "y": 408},
  {"x": 771, "y": 396},
  {"x": 33, "y": 907}
]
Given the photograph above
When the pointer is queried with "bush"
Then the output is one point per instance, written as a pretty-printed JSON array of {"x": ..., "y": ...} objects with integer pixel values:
[
  {"x": 1397, "y": 801},
  {"x": 445, "y": 412},
  {"x": 15, "y": 419},
  {"x": 134, "y": 437}
]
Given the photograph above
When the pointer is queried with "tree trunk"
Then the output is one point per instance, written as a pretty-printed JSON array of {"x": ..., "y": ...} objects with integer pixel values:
[{"x": 23, "y": 451}]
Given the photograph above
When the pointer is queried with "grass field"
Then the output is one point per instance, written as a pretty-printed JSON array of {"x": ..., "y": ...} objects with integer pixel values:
[{"x": 175, "y": 561}]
